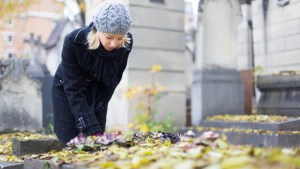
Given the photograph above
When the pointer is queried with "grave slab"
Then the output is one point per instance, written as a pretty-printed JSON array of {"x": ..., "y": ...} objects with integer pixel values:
[
  {"x": 37, "y": 164},
  {"x": 43, "y": 164},
  {"x": 257, "y": 139},
  {"x": 263, "y": 140},
  {"x": 8, "y": 165},
  {"x": 293, "y": 124},
  {"x": 25, "y": 147}
]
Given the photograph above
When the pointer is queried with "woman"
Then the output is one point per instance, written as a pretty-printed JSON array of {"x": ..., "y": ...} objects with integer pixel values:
[{"x": 93, "y": 61}]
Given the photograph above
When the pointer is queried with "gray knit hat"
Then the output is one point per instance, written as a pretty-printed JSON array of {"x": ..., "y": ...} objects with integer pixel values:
[{"x": 112, "y": 18}]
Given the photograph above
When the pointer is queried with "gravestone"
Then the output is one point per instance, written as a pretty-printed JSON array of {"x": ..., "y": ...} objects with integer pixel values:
[
  {"x": 38, "y": 164},
  {"x": 9, "y": 165},
  {"x": 20, "y": 98},
  {"x": 37, "y": 66},
  {"x": 25, "y": 147},
  {"x": 47, "y": 107},
  {"x": 254, "y": 139},
  {"x": 216, "y": 91},
  {"x": 217, "y": 85},
  {"x": 39, "y": 71},
  {"x": 292, "y": 124},
  {"x": 280, "y": 94}
]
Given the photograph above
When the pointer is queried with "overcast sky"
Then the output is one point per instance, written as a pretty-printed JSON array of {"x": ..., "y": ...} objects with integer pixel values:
[{"x": 195, "y": 5}]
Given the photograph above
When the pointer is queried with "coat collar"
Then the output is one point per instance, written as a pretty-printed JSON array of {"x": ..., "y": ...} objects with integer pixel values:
[
  {"x": 81, "y": 34},
  {"x": 103, "y": 65}
]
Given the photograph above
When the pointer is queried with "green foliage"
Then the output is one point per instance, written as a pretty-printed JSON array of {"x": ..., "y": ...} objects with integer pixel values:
[
  {"x": 26, "y": 56},
  {"x": 154, "y": 125},
  {"x": 146, "y": 109},
  {"x": 258, "y": 70},
  {"x": 46, "y": 165},
  {"x": 50, "y": 129},
  {"x": 11, "y": 7}
]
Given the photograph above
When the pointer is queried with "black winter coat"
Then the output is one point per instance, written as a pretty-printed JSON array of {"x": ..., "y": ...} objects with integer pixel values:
[{"x": 83, "y": 85}]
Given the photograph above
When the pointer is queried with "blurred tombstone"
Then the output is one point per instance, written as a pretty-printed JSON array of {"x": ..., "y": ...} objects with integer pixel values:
[
  {"x": 280, "y": 94},
  {"x": 217, "y": 86},
  {"x": 39, "y": 71},
  {"x": 37, "y": 68},
  {"x": 47, "y": 109},
  {"x": 20, "y": 98}
]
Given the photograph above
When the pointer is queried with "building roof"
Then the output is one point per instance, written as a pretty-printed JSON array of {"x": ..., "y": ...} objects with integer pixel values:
[{"x": 55, "y": 35}]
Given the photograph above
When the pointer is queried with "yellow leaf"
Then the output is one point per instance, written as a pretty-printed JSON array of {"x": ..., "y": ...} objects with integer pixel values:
[
  {"x": 147, "y": 151},
  {"x": 236, "y": 162},
  {"x": 108, "y": 164},
  {"x": 138, "y": 162},
  {"x": 144, "y": 127},
  {"x": 155, "y": 68},
  {"x": 168, "y": 143},
  {"x": 221, "y": 144},
  {"x": 129, "y": 125},
  {"x": 128, "y": 95},
  {"x": 140, "y": 105}
]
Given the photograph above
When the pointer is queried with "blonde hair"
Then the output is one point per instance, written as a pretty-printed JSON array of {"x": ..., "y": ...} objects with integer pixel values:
[{"x": 94, "y": 40}]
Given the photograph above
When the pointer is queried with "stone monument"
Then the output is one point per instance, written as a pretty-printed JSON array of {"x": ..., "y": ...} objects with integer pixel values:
[
  {"x": 20, "y": 98},
  {"x": 280, "y": 94},
  {"x": 217, "y": 86},
  {"x": 39, "y": 71}
]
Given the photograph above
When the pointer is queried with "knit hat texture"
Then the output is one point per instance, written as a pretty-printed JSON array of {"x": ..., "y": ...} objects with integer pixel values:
[{"x": 112, "y": 18}]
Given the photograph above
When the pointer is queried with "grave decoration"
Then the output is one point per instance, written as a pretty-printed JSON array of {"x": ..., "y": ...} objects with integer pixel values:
[
  {"x": 199, "y": 149},
  {"x": 163, "y": 150}
]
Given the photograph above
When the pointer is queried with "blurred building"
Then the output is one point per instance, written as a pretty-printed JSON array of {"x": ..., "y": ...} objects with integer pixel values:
[
  {"x": 189, "y": 32},
  {"x": 189, "y": 22},
  {"x": 276, "y": 35},
  {"x": 268, "y": 36},
  {"x": 158, "y": 38},
  {"x": 39, "y": 20},
  {"x": 54, "y": 44}
]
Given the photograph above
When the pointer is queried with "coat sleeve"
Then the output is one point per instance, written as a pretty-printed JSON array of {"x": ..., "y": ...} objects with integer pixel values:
[{"x": 74, "y": 87}]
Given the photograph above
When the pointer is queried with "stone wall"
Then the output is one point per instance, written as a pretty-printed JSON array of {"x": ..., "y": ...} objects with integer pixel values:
[{"x": 282, "y": 50}]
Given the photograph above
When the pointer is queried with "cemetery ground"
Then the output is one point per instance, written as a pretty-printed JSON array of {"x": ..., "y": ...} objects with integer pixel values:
[
  {"x": 195, "y": 147},
  {"x": 220, "y": 141}
]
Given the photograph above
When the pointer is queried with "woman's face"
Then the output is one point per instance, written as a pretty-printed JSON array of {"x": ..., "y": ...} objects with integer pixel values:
[{"x": 111, "y": 41}]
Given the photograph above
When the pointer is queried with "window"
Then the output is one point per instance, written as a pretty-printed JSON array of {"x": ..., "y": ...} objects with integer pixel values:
[
  {"x": 23, "y": 35},
  {"x": 158, "y": 1},
  {"x": 10, "y": 23},
  {"x": 9, "y": 54},
  {"x": 9, "y": 38}
]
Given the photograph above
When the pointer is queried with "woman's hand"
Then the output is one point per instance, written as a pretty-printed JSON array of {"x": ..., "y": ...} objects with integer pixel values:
[{"x": 98, "y": 134}]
